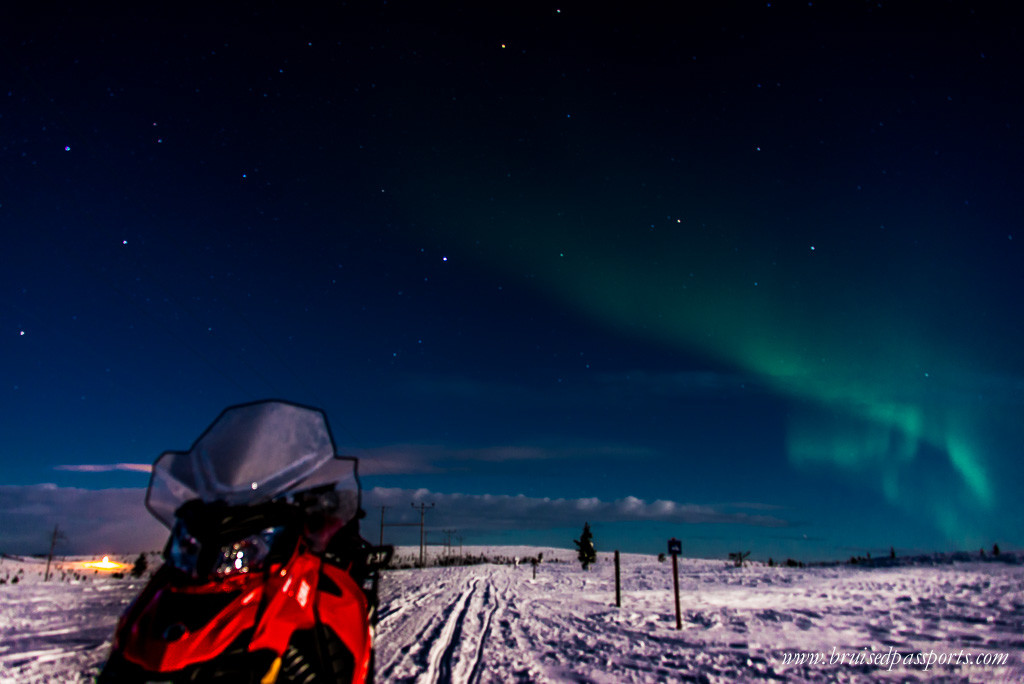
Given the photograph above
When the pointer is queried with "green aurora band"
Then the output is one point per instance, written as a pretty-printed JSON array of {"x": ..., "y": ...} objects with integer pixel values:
[{"x": 883, "y": 389}]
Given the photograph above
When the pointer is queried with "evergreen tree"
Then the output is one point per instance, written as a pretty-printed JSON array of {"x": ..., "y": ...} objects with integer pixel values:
[
  {"x": 140, "y": 565},
  {"x": 738, "y": 558},
  {"x": 585, "y": 544}
]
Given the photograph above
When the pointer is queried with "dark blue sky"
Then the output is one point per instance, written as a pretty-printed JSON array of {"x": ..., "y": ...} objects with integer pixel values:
[{"x": 748, "y": 275}]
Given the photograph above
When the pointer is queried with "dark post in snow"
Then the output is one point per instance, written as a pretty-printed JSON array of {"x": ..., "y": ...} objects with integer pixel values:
[
  {"x": 618, "y": 591},
  {"x": 675, "y": 547},
  {"x": 382, "y": 509}
]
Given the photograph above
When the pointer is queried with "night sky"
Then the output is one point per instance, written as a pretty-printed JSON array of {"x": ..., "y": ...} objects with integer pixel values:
[{"x": 750, "y": 275}]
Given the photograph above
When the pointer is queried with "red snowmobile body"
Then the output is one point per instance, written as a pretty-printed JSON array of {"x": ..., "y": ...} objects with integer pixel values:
[{"x": 265, "y": 577}]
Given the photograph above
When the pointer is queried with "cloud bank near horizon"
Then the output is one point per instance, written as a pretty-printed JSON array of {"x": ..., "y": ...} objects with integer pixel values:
[
  {"x": 414, "y": 459},
  {"x": 107, "y": 468},
  {"x": 91, "y": 520},
  {"x": 494, "y": 512},
  {"x": 116, "y": 520}
]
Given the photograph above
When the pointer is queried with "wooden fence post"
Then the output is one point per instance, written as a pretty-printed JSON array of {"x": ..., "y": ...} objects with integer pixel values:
[{"x": 618, "y": 590}]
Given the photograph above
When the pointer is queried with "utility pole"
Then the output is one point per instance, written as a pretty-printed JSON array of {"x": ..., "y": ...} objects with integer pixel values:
[
  {"x": 448, "y": 534},
  {"x": 57, "y": 534},
  {"x": 423, "y": 549},
  {"x": 382, "y": 509}
]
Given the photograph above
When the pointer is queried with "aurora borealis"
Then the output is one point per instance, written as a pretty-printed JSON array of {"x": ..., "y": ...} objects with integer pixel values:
[
  {"x": 891, "y": 363},
  {"x": 760, "y": 261}
]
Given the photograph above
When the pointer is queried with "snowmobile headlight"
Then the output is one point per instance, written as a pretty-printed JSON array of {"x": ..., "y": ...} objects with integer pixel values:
[{"x": 246, "y": 554}]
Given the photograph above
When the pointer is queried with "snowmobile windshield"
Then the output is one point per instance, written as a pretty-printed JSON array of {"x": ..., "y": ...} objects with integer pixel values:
[{"x": 256, "y": 453}]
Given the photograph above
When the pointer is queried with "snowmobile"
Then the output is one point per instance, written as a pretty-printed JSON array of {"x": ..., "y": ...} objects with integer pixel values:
[{"x": 265, "y": 576}]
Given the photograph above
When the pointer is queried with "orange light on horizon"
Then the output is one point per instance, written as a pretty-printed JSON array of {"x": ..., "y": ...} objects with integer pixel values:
[{"x": 106, "y": 564}]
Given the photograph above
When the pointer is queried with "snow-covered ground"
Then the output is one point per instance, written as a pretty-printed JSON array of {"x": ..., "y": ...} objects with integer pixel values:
[
  {"x": 59, "y": 630},
  {"x": 496, "y": 623}
]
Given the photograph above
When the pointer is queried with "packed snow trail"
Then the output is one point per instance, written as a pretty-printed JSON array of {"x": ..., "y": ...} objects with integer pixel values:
[{"x": 445, "y": 642}]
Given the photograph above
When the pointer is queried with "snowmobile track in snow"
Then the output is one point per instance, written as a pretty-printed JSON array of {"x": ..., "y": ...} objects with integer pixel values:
[
  {"x": 441, "y": 654},
  {"x": 442, "y": 646},
  {"x": 474, "y": 674}
]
